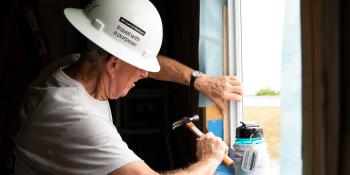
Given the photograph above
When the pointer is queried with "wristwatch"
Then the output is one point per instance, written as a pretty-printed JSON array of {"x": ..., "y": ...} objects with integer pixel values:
[{"x": 194, "y": 76}]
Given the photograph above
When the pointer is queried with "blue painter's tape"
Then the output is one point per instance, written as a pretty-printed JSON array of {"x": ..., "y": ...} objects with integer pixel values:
[
  {"x": 210, "y": 46},
  {"x": 216, "y": 127},
  {"x": 222, "y": 170}
]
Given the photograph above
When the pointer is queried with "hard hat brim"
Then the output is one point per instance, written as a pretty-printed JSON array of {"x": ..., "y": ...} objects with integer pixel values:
[{"x": 82, "y": 23}]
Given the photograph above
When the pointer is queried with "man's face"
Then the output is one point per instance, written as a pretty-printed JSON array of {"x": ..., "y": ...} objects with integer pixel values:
[{"x": 125, "y": 78}]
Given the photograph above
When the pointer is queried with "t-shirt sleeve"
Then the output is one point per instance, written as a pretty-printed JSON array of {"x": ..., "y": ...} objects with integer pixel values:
[{"x": 92, "y": 146}]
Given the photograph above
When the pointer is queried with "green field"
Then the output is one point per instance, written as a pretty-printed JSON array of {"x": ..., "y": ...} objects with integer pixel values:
[{"x": 270, "y": 119}]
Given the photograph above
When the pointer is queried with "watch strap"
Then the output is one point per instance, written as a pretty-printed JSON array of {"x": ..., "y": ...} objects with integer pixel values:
[{"x": 194, "y": 76}]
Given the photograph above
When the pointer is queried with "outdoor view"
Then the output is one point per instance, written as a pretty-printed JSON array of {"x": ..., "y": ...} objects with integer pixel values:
[{"x": 262, "y": 36}]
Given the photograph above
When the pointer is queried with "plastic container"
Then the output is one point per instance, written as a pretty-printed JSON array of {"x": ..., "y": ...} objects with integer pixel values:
[{"x": 250, "y": 152}]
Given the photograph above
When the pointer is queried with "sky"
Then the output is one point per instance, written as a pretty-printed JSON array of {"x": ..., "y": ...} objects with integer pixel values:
[{"x": 262, "y": 34}]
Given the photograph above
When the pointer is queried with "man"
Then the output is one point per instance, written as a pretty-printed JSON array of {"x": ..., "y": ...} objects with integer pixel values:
[{"x": 67, "y": 124}]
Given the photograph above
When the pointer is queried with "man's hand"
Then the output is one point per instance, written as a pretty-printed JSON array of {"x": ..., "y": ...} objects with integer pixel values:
[
  {"x": 220, "y": 89},
  {"x": 211, "y": 148},
  {"x": 217, "y": 88},
  {"x": 210, "y": 153}
]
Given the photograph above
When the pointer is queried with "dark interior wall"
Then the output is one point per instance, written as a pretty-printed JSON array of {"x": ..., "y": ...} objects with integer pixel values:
[
  {"x": 326, "y": 83},
  {"x": 19, "y": 64},
  {"x": 181, "y": 26},
  {"x": 182, "y": 36},
  {"x": 344, "y": 153},
  {"x": 21, "y": 60}
]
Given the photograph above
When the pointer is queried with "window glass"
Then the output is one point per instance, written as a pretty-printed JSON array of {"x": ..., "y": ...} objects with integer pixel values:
[
  {"x": 262, "y": 41},
  {"x": 271, "y": 58}
]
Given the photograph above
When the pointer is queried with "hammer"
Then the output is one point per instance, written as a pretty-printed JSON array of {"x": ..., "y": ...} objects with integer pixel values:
[{"x": 188, "y": 122}]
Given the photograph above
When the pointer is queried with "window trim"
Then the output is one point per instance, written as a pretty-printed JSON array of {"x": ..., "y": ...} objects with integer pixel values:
[{"x": 235, "y": 108}]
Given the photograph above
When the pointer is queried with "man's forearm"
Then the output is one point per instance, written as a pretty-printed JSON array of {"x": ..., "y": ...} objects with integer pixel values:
[
  {"x": 217, "y": 88},
  {"x": 171, "y": 70},
  {"x": 203, "y": 167}
]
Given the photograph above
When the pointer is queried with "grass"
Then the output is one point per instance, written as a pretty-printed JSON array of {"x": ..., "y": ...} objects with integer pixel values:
[{"x": 270, "y": 119}]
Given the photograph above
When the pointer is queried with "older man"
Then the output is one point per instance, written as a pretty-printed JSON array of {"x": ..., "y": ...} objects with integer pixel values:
[{"x": 67, "y": 124}]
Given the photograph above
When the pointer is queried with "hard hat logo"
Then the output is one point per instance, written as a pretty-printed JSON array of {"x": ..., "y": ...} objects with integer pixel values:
[
  {"x": 132, "y": 26},
  {"x": 128, "y": 29},
  {"x": 124, "y": 35},
  {"x": 128, "y": 36}
]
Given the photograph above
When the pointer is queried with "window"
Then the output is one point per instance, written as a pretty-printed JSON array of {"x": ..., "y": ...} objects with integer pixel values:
[
  {"x": 263, "y": 46},
  {"x": 270, "y": 55},
  {"x": 262, "y": 39}
]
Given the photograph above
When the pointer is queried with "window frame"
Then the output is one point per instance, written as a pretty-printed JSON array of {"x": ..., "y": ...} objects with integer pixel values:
[{"x": 234, "y": 33}]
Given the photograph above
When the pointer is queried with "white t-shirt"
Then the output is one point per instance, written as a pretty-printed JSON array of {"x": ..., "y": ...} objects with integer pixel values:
[{"x": 65, "y": 130}]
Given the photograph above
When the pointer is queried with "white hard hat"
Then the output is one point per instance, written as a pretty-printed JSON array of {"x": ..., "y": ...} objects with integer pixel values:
[{"x": 128, "y": 29}]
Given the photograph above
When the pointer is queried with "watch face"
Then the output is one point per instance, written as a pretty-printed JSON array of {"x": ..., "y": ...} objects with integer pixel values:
[{"x": 196, "y": 73}]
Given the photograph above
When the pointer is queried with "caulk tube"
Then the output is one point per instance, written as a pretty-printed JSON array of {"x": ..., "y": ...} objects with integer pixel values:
[{"x": 250, "y": 152}]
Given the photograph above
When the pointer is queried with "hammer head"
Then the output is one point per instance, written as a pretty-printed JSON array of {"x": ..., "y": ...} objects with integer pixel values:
[{"x": 184, "y": 121}]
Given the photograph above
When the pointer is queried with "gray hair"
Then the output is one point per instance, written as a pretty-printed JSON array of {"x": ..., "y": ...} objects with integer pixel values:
[{"x": 94, "y": 54}]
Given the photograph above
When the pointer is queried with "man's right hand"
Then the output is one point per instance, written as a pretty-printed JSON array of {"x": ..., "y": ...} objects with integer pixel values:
[
  {"x": 211, "y": 147},
  {"x": 210, "y": 153}
]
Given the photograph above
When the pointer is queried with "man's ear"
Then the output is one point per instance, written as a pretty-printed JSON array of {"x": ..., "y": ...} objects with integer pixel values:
[{"x": 111, "y": 65}]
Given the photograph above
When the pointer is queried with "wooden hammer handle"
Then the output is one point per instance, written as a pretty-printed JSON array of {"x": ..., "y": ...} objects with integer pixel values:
[
  {"x": 194, "y": 129},
  {"x": 227, "y": 160}
]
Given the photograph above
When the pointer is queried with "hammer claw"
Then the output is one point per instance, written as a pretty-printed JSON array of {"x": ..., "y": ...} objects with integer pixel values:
[
  {"x": 176, "y": 124},
  {"x": 184, "y": 121}
]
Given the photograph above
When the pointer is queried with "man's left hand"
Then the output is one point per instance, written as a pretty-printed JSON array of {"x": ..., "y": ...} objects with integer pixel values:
[{"x": 220, "y": 89}]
